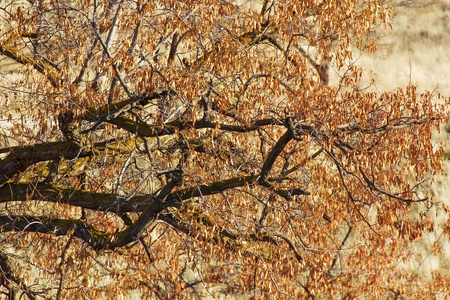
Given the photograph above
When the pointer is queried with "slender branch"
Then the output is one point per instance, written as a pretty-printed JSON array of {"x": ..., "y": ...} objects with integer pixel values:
[
  {"x": 145, "y": 130},
  {"x": 372, "y": 186},
  {"x": 339, "y": 249},
  {"x": 109, "y": 113},
  {"x": 220, "y": 234},
  {"x": 349, "y": 193},
  {"x": 90, "y": 54},
  {"x": 60, "y": 266},
  {"x": 405, "y": 123},
  {"x": 253, "y": 77},
  {"x": 290, "y": 243},
  {"x": 23, "y": 59},
  {"x": 113, "y": 29},
  {"x": 136, "y": 30},
  {"x": 106, "y": 52}
]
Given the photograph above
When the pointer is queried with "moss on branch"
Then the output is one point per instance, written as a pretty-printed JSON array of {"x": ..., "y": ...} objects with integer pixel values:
[
  {"x": 146, "y": 130},
  {"x": 111, "y": 202},
  {"x": 215, "y": 188},
  {"x": 42, "y": 224},
  {"x": 72, "y": 196},
  {"x": 21, "y": 158},
  {"x": 23, "y": 59}
]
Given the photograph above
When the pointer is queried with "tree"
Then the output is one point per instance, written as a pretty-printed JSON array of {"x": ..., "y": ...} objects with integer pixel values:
[{"x": 181, "y": 148}]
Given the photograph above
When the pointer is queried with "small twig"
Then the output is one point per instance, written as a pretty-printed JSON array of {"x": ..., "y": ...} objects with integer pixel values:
[
  {"x": 122, "y": 171},
  {"x": 147, "y": 251},
  {"x": 349, "y": 193},
  {"x": 278, "y": 289},
  {"x": 372, "y": 186},
  {"x": 60, "y": 271}
]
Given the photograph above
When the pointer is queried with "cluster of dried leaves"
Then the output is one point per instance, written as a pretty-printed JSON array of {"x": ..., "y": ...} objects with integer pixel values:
[{"x": 196, "y": 148}]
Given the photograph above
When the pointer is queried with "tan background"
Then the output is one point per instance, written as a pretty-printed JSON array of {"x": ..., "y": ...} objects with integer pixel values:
[{"x": 417, "y": 49}]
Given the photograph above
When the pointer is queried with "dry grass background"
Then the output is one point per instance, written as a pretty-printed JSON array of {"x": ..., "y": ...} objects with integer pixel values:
[{"x": 417, "y": 50}]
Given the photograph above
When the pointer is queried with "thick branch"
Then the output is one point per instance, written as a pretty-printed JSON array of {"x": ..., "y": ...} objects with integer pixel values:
[
  {"x": 72, "y": 196},
  {"x": 173, "y": 47},
  {"x": 112, "y": 31},
  {"x": 53, "y": 226},
  {"x": 112, "y": 202},
  {"x": 274, "y": 153},
  {"x": 134, "y": 231},
  {"x": 151, "y": 206},
  {"x": 21, "y": 158},
  {"x": 89, "y": 234}
]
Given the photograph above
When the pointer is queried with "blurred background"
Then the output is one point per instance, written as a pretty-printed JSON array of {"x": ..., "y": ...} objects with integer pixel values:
[{"x": 417, "y": 50}]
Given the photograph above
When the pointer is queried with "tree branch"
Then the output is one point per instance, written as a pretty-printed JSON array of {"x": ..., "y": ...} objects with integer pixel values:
[
  {"x": 112, "y": 202},
  {"x": 72, "y": 196},
  {"x": 221, "y": 234},
  {"x": 21, "y": 158},
  {"x": 274, "y": 153},
  {"x": 23, "y": 59},
  {"x": 372, "y": 186},
  {"x": 7, "y": 278},
  {"x": 145, "y": 130},
  {"x": 43, "y": 224},
  {"x": 110, "y": 112}
]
